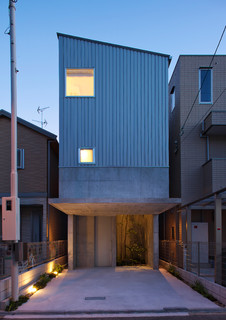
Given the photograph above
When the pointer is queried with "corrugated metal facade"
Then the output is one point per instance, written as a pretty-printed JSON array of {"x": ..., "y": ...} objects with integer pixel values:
[{"x": 127, "y": 120}]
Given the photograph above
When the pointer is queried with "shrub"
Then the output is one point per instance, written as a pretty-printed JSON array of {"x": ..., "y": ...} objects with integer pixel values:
[
  {"x": 174, "y": 272},
  {"x": 59, "y": 268},
  {"x": 13, "y": 305},
  {"x": 42, "y": 282},
  {"x": 198, "y": 286},
  {"x": 51, "y": 275}
]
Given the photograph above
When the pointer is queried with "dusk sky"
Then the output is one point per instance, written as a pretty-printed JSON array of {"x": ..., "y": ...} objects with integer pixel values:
[{"x": 173, "y": 27}]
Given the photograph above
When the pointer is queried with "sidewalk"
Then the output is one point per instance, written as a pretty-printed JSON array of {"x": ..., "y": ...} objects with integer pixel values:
[{"x": 121, "y": 290}]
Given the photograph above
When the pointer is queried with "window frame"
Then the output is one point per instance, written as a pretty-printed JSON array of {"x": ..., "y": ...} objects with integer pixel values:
[
  {"x": 211, "y": 85},
  {"x": 86, "y": 148},
  {"x": 20, "y": 158},
  {"x": 65, "y": 82}
]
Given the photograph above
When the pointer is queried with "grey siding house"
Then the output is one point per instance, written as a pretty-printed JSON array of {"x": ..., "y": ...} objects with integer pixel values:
[{"x": 113, "y": 154}]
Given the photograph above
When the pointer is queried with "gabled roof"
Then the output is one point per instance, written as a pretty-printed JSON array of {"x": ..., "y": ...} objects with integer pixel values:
[
  {"x": 114, "y": 45},
  {"x": 46, "y": 133}
]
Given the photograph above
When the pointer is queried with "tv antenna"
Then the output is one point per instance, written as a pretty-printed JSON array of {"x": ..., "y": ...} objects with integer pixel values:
[{"x": 42, "y": 122}]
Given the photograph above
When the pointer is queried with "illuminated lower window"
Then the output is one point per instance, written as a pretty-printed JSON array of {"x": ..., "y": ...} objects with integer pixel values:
[
  {"x": 80, "y": 82},
  {"x": 86, "y": 155}
]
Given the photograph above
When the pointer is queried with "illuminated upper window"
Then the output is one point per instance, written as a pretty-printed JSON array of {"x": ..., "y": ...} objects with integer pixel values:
[
  {"x": 86, "y": 155},
  {"x": 79, "y": 82}
]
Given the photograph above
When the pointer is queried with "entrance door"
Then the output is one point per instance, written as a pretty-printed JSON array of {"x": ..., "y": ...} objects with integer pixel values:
[{"x": 103, "y": 243}]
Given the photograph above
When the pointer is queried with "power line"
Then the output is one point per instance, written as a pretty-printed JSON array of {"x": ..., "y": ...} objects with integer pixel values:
[
  {"x": 200, "y": 120},
  {"x": 182, "y": 128}
]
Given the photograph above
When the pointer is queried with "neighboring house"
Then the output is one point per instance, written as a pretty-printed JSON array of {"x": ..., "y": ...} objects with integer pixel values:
[
  {"x": 113, "y": 154},
  {"x": 37, "y": 179},
  {"x": 197, "y": 119}
]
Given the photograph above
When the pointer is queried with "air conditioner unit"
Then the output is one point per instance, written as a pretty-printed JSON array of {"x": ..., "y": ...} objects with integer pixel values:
[{"x": 10, "y": 219}]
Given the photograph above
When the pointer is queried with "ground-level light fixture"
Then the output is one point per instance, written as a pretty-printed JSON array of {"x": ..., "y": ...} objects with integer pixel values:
[{"x": 32, "y": 289}]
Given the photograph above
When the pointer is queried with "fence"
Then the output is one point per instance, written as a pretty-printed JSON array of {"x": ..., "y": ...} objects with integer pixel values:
[
  {"x": 202, "y": 258},
  {"x": 36, "y": 253}
]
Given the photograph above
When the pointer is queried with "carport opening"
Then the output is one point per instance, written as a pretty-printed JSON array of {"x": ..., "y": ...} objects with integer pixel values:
[{"x": 131, "y": 240}]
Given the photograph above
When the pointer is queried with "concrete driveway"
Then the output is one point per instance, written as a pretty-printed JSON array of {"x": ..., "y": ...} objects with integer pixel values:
[{"x": 116, "y": 290}]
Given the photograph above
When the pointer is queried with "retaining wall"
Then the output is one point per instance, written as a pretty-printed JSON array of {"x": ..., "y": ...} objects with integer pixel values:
[
  {"x": 214, "y": 289},
  {"x": 27, "y": 278}
]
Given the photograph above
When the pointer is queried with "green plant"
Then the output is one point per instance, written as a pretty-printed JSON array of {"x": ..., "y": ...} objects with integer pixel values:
[
  {"x": 51, "y": 275},
  {"x": 174, "y": 272},
  {"x": 136, "y": 243},
  {"x": 198, "y": 286},
  {"x": 42, "y": 282},
  {"x": 13, "y": 305},
  {"x": 59, "y": 268}
]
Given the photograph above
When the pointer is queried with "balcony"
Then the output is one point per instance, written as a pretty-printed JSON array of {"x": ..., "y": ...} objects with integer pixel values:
[
  {"x": 214, "y": 175},
  {"x": 215, "y": 123}
]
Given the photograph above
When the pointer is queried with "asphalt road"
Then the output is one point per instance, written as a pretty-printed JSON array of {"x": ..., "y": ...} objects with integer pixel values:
[{"x": 187, "y": 317}]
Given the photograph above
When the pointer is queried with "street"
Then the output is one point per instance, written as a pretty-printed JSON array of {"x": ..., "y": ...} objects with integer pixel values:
[{"x": 203, "y": 316}]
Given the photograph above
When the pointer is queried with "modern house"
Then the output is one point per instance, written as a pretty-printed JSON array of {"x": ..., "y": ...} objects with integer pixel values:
[
  {"x": 197, "y": 120},
  {"x": 113, "y": 152},
  {"x": 37, "y": 179}
]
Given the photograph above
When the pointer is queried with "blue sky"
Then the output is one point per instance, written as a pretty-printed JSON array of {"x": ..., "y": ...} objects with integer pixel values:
[{"x": 173, "y": 27}]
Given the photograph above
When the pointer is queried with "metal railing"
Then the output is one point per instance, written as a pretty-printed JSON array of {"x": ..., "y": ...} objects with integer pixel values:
[
  {"x": 36, "y": 253},
  {"x": 202, "y": 258}
]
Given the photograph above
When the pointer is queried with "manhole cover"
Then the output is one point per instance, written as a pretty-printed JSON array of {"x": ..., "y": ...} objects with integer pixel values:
[{"x": 95, "y": 298}]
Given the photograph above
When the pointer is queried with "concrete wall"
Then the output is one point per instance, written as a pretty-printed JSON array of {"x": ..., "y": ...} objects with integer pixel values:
[
  {"x": 89, "y": 240},
  {"x": 152, "y": 240},
  {"x": 114, "y": 183},
  {"x": 219, "y": 292},
  {"x": 72, "y": 258},
  {"x": 27, "y": 278},
  {"x": 85, "y": 242}
]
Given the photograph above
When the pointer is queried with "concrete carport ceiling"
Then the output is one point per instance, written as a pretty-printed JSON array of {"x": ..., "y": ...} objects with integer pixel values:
[{"x": 103, "y": 207}]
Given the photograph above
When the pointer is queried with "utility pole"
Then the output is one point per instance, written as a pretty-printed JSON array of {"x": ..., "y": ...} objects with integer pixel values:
[{"x": 14, "y": 176}]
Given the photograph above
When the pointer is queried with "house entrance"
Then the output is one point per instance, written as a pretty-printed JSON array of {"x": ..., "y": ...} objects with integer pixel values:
[
  {"x": 94, "y": 244},
  {"x": 103, "y": 243}
]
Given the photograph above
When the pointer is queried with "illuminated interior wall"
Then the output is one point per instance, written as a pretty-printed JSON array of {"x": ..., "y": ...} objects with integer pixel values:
[
  {"x": 86, "y": 156},
  {"x": 131, "y": 235},
  {"x": 80, "y": 82}
]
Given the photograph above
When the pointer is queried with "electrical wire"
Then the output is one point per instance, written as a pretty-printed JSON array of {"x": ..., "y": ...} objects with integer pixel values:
[{"x": 182, "y": 128}]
